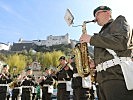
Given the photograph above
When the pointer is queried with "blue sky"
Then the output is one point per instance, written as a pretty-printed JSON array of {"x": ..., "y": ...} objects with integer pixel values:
[{"x": 37, "y": 19}]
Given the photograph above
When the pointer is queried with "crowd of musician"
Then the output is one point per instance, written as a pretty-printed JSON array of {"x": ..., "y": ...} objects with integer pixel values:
[{"x": 65, "y": 80}]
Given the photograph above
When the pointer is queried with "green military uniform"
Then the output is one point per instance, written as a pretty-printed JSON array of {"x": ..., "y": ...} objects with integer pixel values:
[{"x": 113, "y": 35}]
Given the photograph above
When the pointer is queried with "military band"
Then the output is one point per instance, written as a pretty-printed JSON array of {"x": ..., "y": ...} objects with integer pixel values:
[{"x": 70, "y": 85}]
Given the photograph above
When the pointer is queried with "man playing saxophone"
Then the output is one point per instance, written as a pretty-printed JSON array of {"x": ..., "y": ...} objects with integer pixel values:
[{"x": 110, "y": 43}]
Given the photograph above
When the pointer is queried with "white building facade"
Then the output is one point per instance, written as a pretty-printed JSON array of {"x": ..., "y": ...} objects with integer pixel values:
[
  {"x": 56, "y": 40},
  {"x": 51, "y": 40},
  {"x": 4, "y": 46}
]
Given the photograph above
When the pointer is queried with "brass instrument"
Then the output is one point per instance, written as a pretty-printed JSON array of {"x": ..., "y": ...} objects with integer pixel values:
[
  {"x": 82, "y": 54},
  {"x": 60, "y": 68},
  {"x": 13, "y": 83}
]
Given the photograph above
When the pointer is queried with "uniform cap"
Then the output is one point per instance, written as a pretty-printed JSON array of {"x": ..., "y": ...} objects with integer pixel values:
[
  {"x": 101, "y": 8},
  {"x": 5, "y": 65},
  {"x": 46, "y": 69},
  {"x": 62, "y": 57},
  {"x": 28, "y": 69}
]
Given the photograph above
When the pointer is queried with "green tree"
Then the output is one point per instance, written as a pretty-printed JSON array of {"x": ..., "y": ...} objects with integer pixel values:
[
  {"x": 55, "y": 57},
  {"x": 18, "y": 61},
  {"x": 49, "y": 58}
]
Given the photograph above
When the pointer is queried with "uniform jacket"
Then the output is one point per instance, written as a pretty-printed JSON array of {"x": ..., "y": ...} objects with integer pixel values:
[
  {"x": 5, "y": 79},
  {"x": 28, "y": 82},
  {"x": 113, "y": 35},
  {"x": 76, "y": 81},
  {"x": 64, "y": 75},
  {"x": 48, "y": 81}
]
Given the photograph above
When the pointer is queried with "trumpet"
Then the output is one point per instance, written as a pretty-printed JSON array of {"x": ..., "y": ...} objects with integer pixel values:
[{"x": 60, "y": 68}]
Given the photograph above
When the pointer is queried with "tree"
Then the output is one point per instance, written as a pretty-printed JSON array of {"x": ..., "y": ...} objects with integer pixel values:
[
  {"x": 2, "y": 57},
  {"x": 55, "y": 57},
  {"x": 50, "y": 58},
  {"x": 18, "y": 61}
]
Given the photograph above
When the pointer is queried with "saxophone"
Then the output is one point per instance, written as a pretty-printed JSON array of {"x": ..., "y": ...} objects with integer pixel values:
[{"x": 82, "y": 55}]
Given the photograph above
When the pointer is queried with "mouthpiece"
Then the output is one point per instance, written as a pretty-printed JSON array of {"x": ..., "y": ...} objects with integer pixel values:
[{"x": 90, "y": 21}]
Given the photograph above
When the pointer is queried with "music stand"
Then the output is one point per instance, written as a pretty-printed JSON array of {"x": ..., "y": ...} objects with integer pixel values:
[{"x": 69, "y": 17}]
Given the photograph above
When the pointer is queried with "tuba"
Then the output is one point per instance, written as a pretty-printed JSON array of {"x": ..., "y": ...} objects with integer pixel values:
[{"x": 82, "y": 55}]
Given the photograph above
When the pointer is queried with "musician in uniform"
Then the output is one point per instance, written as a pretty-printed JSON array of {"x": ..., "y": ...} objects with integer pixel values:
[
  {"x": 64, "y": 76},
  {"x": 5, "y": 78},
  {"x": 111, "y": 49},
  {"x": 16, "y": 87},
  {"x": 47, "y": 85},
  {"x": 28, "y": 84},
  {"x": 80, "y": 91}
]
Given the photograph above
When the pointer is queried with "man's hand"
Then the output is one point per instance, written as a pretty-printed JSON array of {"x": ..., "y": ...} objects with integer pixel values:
[
  {"x": 66, "y": 68},
  {"x": 85, "y": 38}
]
